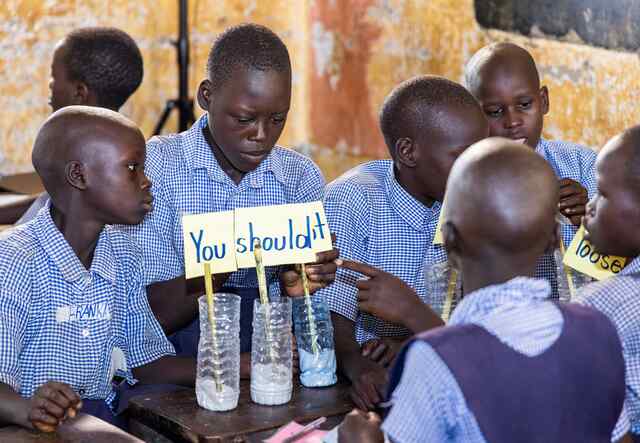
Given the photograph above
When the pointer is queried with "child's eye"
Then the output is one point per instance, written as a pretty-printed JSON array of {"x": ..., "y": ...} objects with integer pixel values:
[
  {"x": 526, "y": 104},
  {"x": 244, "y": 119},
  {"x": 497, "y": 112},
  {"x": 278, "y": 120},
  {"x": 132, "y": 167}
]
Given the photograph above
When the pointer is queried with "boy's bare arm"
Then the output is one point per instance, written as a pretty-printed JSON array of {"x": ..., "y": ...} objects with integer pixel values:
[
  {"x": 168, "y": 370},
  {"x": 49, "y": 406},
  {"x": 368, "y": 379}
]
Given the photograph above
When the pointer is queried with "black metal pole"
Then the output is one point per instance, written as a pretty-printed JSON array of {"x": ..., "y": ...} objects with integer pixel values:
[{"x": 183, "y": 103}]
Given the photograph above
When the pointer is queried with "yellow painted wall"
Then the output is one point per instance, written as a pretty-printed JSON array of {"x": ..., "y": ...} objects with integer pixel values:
[{"x": 347, "y": 55}]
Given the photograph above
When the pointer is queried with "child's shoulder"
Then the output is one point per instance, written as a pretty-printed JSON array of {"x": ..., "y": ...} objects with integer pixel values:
[
  {"x": 364, "y": 181},
  {"x": 163, "y": 151},
  {"x": 560, "y": 147},
  {"x": 294, "y": 161},
  {"x": 19, "y": 246}
]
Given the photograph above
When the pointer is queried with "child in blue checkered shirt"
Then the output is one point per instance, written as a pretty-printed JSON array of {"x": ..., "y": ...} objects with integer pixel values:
[
  {"x": 228, "y": 159},
  {"x": 612, "y": 219},
  {"x": 384, "y": 214},
  {"x": 505, "y": 80},
  {"x": 73, "y": 308}
]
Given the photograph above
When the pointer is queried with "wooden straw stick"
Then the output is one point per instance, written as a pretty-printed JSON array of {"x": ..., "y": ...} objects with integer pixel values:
[
  {"x": 264, "y": 294},
  {"x": 262, "y": 278},
  {"x": 451, "y": 292},
  {"x": 312, "y": 321},
  {"x": 208, "y": 286},
  {"x": 567, "y": 271}
]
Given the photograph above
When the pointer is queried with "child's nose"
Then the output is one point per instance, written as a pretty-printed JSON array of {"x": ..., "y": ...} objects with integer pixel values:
[
  {"x": 512, "y": 118},
  {"x": 260, "y": 133}
]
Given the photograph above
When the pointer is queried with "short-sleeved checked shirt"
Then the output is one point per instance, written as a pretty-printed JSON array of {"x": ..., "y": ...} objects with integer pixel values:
[
  {"x": 62, "y": 322},
  {"x": 428, "y": 404},
  {"x": 379, "y": 223},
  {"x": 186, "y": 179},
  {"x": 619, "y": 299},
  {"x": 572, "y": 161}
]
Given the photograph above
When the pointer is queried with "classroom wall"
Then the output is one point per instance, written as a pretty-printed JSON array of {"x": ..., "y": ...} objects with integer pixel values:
[{"x": 347, "y": 55}]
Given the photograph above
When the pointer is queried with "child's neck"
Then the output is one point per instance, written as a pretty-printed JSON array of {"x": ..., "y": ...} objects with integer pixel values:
[
  {"x": 488, "y": 271},
  {"x": 234, "y": 174},
  {"x": 81, "y": 234},
  {"x": 414, "y": 189}
]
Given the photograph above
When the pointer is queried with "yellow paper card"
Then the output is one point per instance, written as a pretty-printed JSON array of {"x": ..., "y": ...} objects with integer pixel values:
[
  {"x": 437, "y": 236},
  {"x": 583, "y": 257},
  {"x": 288, "y": 233},
  {"x": 208, "y": 238}
]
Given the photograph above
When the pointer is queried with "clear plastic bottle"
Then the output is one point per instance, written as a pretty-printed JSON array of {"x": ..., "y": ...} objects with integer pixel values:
[
  {"x": 218, "y": 377},
  {"x": 271, "y": 354},
  {"x": 314, "y": 337},
  {"x": 444, "y": 288}
]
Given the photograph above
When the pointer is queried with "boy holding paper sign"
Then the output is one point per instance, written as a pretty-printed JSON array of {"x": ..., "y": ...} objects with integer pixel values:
[
  {"x": 511, "y": 365},
  {"x": 505, "y": 80},
  {"x": 385, "y": 213},
  {"x": 73, "y": 308},
  {"x": 612, "y": 221},
  {"x": 228, "y": 159}
]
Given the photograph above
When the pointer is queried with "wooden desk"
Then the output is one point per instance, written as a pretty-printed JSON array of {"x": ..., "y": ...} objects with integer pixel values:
[
  {"x": 84, "y": 428},
  {"x": 176, "y": 416}
]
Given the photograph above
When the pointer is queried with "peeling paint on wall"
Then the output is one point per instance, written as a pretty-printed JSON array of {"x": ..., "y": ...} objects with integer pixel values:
[{"x": 347, "y": 55}]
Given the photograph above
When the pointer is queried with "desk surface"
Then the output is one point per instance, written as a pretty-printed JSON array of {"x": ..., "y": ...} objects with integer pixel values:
[
  {"x": 84, "y": 428},
  {"x": 177, "y": 416}
]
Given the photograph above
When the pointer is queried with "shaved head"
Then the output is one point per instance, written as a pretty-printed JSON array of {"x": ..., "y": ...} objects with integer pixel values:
[
  {"x": 75, "y": 133},
  {"x": 502, "y": 197},
  {"x": 504, "y": 56}
]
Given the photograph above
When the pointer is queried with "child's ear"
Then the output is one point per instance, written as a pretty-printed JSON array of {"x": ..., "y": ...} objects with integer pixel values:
[
  {"x": 83, "y": 96},
  {"x": 452, "y": 243},
  {"x": 204, "y": 94},
  {"x": 75, "y": 175},
  {"x": 406, "y": 152},
  {"x": 544, "y": 97}
]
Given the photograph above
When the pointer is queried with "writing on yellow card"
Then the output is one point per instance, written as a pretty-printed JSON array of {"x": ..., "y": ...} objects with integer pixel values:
[
  {"x": 582, "y": 256},
  {"x": 288, "y": 234},
  {"x": 208, "y": 238}
]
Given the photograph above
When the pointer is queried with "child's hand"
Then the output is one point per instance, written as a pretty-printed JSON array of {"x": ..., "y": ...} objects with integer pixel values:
[
  {"x": 573, "y": 200},
  {"x": 51, "y": 404},
  {"x": 368, "y": 385},
  {"x": 320, "y": 275},
  {"x": 360, "y": 427},
  {"x": 382, "y": 350},
  {"x": 383, "y": 295}
]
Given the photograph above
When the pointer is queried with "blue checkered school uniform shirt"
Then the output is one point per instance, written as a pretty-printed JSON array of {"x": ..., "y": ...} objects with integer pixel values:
[
  {"x": 572, "y": 161},
  {"x": 186, "y": 179},
  {"x": 379, "y": 223},
  {"x": 619, "y": 299},
  {"x": 428, "y": 404},
  {"x": 62, "y": 322}
]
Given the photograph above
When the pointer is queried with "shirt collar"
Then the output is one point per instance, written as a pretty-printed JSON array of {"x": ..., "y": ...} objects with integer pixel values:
[
  {"x": 632, "y": 267},
  {"x": 519, "y": 291},
  {"x": 198, "y": 155},
  {"x": 65, "y": 259},
  {"x": 414, "y": 213}
]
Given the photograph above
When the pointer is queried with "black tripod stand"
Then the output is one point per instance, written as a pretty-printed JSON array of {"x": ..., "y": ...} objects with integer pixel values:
[{"x": 183, "y": 103}]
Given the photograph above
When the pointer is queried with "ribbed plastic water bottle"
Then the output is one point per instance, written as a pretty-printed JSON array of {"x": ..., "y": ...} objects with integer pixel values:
[
  {"x": 218, "y": 377},
  {"x": 271, "y": 354},
  {"x": 314, "y": 337}
]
